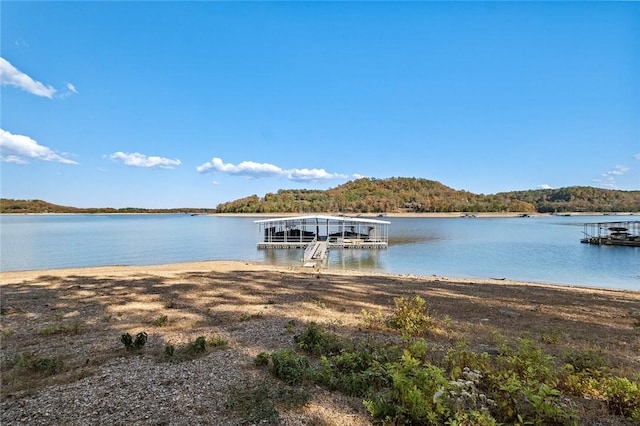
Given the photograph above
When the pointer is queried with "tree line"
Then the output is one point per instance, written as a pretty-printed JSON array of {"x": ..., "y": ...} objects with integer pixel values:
[
  {"x": 8, "y": 206},
  {"x": 400, "y": 194},
  {"x": 368, "y": 195}
]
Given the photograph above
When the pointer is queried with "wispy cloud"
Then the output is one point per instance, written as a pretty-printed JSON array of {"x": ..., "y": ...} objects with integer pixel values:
[
  {"x": 259, "y": 170},
  {"x": 637, "y": 156},
  {"x": 18, "y": 149},
  {"x": 70, "y": 90},
  {"x": 608, "y": 179},
  {"x": 545, "y": 186},
  {"x": 135, "y": 159},
  {"x": 11, "y": 76}
]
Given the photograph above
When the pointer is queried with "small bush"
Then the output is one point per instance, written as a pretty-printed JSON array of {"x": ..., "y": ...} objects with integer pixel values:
[
  {"x": 262, "y": 359},
  {"x": 248, "y": 317},
  {"x": 591, "y": 362},
  {"x": 31, "y": 363},
  {"x": 256, "y": 404},
  {"x": 70, "y": 327},
  {"x": 198, "y": 346},
  {"x": 290, "y": 326},
  {"x": 551, "y": 337},
  {"x": 289, "y": 366},
  {"x": 461, "y": 357},
  {"x": 623, "y": 397},
  {"x": 373, "y": 321},
  {"x": 216, "y": 342},
  {"x": 315, "y": 341},
  {"x": 411, "y": 316},
  {"x": 169, "y": 351},
  {"x": 132, "y": 344},
  {"x": 161, "y": 321},
  {"x": 411, "y": 397}
]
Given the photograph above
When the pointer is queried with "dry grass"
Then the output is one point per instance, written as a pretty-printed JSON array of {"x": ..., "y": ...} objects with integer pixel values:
[{"x": 257, "y": 308}]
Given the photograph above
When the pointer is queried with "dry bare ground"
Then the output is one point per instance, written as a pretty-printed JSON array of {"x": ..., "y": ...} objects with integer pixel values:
[{"x": 77, "y": 316}]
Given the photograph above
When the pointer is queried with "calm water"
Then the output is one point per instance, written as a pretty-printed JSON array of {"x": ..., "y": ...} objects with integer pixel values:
[{"x": 541, "y": 249}]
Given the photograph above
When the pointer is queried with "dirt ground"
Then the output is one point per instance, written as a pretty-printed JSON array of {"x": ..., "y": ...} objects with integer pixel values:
[{"x": 79, "y": 315}]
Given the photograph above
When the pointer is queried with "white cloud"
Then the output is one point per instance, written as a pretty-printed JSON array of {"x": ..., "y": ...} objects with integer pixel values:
[
  {"x": 619, "y": 170},
  {"x": 13, "y": 159},
  {"x": 257, "y": 170},
  {"x": 18, "y": 148},
  {"x": 11, "y": 76},
  {"x": 135, "y": 159},
  {"x": 71, "y": 88},
  {"x": 545, "y": 186},
  {"x": 637, "y": 156},
  {"x": 608, "y": 179}
]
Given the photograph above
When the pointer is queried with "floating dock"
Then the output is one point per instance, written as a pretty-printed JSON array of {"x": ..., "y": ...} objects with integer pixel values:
[
  {"x": 612, "y": 233},
  {"x": 319, "y": 233}
]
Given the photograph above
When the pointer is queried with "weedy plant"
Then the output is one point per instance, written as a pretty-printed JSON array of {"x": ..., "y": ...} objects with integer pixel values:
[
  {"x": 61, "y": 327},
  {"x": 411, "y": 316},
  {"x": 161, "y": 321},
  {"x": 191, "y": 350},
  {"x": 623, "y": 397},
  {"x": 34, "y": 364},
  {"x": 132, "y": 344},
  {"x": 410, "y": 385},
  {"x": 258, "y": 403}
]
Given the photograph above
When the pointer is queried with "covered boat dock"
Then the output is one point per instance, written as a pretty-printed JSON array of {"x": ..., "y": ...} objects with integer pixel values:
[
  {"x": 612, "y": 233},
  {"x": 334, "y": 231}
]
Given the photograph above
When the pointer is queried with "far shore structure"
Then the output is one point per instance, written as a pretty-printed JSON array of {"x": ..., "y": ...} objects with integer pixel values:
[
  {"x": 625, "y": 233},
  {"x": 318, "y": 233}
]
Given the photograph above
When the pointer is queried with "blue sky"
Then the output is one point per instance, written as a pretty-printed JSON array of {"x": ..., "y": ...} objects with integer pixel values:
[{"x": 189, "y": 104}]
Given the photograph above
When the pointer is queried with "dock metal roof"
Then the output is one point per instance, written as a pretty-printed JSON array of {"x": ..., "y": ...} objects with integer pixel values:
[{"x": 323, "y": 217}]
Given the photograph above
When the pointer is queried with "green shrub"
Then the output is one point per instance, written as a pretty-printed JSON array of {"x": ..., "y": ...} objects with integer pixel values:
[
  {"x": 528, "y": 362},
  {"x": 28, "y": 362},
  {"x": 290, "y": 366},
  {"x": 461, "y": 357},
  {"x": 257, "y": 403},
  {"x": 590, "y": 361},
  {"x": 217, "y": 342},
  {"x": 199, "y": 346},
  {"x": 411, "y": 397},
  {"x": 523, "y": 383},
  {"x": 262, "y": 359},
  {"x": 161, "y": 321},
  {"x": 169, "y": 351},
  {"x": 373, "y": 321},
  {"x": 315, "y": 341},
  {"x": 411, "y": 316},
  {"x": 623, "y": 397}
]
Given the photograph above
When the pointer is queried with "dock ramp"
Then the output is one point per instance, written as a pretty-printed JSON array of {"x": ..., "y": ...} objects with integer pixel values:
[{"x": 314, "y": 253}]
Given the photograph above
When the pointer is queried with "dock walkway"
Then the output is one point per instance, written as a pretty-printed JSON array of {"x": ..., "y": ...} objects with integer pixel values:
[{"x": 314, "y": 253}]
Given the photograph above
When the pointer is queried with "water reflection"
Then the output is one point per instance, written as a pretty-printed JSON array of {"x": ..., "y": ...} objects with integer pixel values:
[
  {"x": 355, "y": 259},
  {"x": 337, "y": 258}
]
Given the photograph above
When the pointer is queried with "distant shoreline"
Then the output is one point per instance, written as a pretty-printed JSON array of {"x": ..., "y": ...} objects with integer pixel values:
[
  {"x": 428, "y": 215},
  {"x": 363, "y": 215}
]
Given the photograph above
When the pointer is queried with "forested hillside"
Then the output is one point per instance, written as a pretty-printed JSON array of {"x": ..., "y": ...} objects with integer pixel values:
[
  {"x": 422, "y": 195},
  {"x": 579, "y": 198},
  {"x": 387, "y": 196},
  {"x": 39, "y": 206}
]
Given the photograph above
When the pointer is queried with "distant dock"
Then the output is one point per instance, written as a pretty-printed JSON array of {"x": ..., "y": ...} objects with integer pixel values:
[{"x": 612, "y": 233}]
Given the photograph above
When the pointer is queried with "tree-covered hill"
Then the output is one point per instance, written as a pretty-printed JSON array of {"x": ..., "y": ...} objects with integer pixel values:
[
  {"x": 38, "y": 206},
  {"x": 579, "y": 198},
  {"x": 421, "y": 195},
  {"x": 400, "y": 194}
]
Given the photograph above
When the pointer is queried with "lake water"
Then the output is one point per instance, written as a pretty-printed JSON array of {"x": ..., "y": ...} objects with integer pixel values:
[{"x": 539, "y": 249}]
